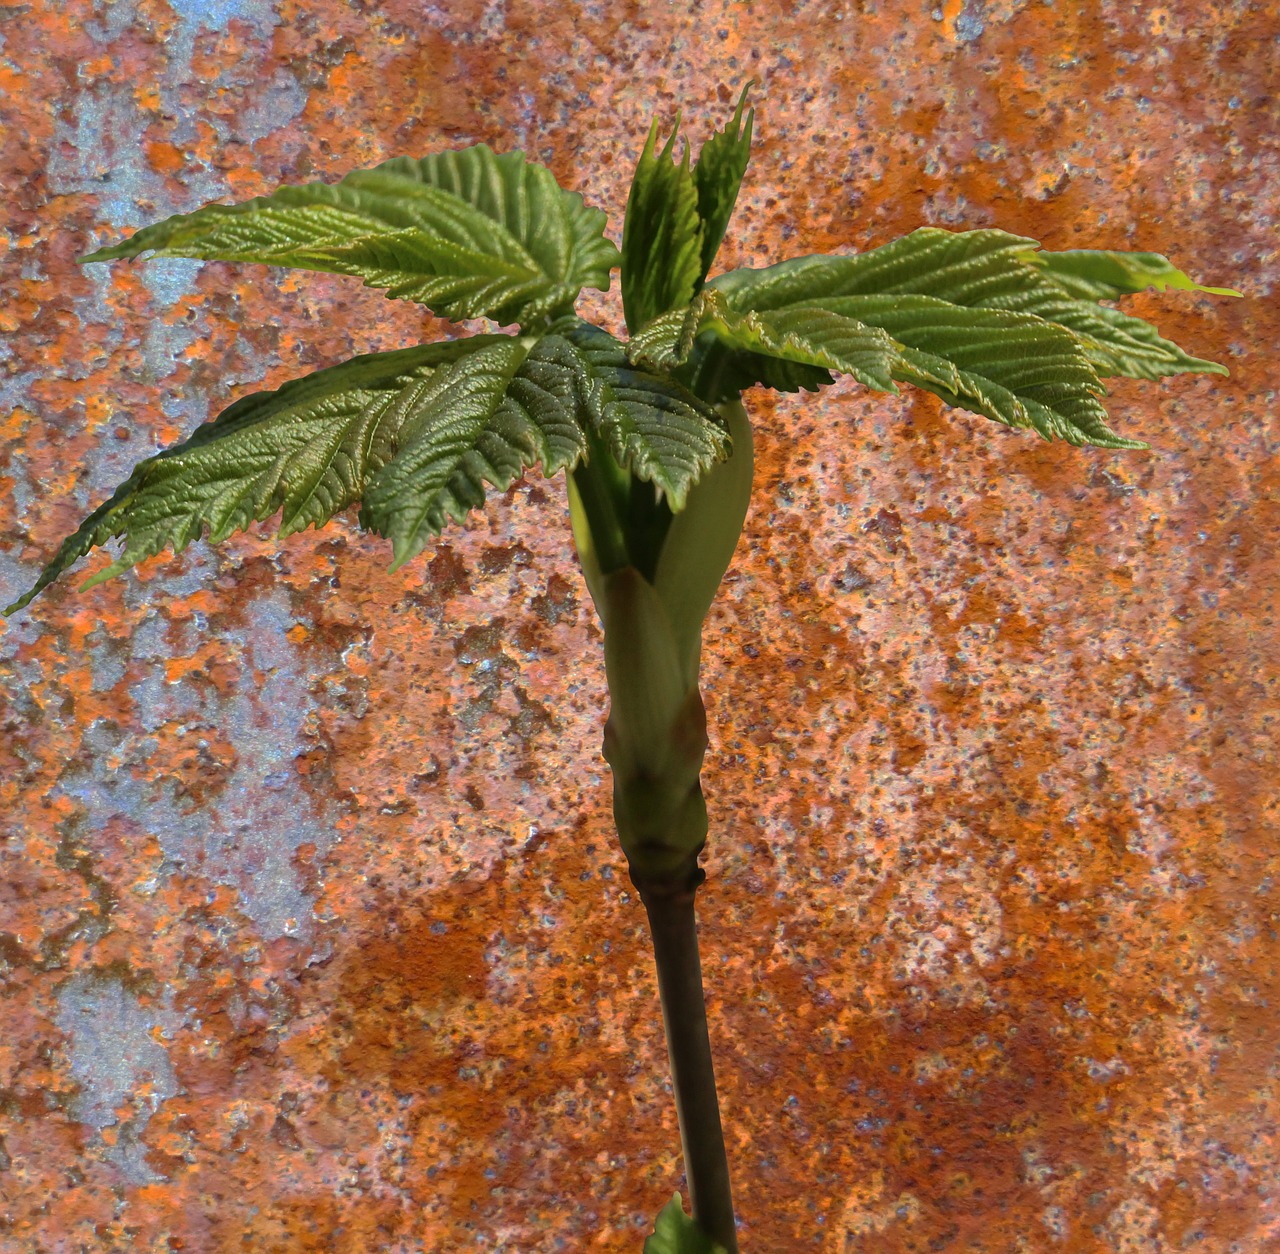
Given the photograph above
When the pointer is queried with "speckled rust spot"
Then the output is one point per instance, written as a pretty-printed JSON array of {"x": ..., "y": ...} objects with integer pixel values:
[{"x": 312, "y": 929}]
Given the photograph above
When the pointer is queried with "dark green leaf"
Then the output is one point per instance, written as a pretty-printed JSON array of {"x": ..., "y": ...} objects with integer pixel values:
[
  {"x": 493, "y": 414},
  {"x": 415, "y": 436},
  {"x": 719, "y": 373},
  {"x": 468, "y": 233},
  {"x": 306, "y": 449},
  {"x": 653, "y": 426}
]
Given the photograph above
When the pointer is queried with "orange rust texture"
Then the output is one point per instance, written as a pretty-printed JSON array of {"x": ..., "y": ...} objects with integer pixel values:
[{"x": 314, "y": 934}]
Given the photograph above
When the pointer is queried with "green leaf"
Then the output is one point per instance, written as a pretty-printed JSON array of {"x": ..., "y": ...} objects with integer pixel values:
[
  {"x": 986, "y": 269},
  {"x": 1016, "y": 346},
  {"x": 493, "y": 414},
  {"x": 677, "y": 216},
  {"x": 307, "y": 448},
  {"x": 1097, "y": 274},
  {"x": 808, "y": 334},
  {"x": 1014, "y": 368},
  {"x": 719, "y": 373},
  {"x": 661, "y": 233},
  {"x": 468, "y": 233},
  {"x": 499, "y": 411},
  {"x": 652, "y": 425},
  {"x": 1117, "y": 343},
  {"x": 718, "y": 174},
  {"x": 414, "y": 435},
  {"x": 675, "y": 1233}
]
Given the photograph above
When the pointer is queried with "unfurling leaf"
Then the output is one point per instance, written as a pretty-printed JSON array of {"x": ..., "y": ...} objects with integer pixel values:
[
  {"x": 676, "y": 216},
  {"x": 718, "y": 174},
  {"x": 661, "y": 233},
  {"x": 469, "y": 233}
]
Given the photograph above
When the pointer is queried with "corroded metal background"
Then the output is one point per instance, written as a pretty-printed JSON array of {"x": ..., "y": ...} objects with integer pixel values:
[{"x": 314, "y": 934}]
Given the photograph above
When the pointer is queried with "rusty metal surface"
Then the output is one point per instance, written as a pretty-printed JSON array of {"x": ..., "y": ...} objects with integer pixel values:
[{"x": 314, "y": 934}]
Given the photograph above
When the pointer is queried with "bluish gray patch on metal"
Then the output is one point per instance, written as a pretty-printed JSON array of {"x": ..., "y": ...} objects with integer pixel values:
[
  {"x": 17, "y": 677},
  {"x": 274, "y": 107},
  {"x": 108, "y": 660},
  {"x": 112, "y": 1055},
  {"x": 245, "y": 833},
  {"x": 169, "y": 279},
  {"x": 971, "y": 21},
  {"x": 217, "y": 14}
]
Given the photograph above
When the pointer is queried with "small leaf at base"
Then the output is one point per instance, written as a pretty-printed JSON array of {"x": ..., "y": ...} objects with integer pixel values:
[{"x": 675, "y": 1233}]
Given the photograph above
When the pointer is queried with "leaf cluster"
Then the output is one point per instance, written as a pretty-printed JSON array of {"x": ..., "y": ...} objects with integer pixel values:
[{"x": 417, "y": 436}]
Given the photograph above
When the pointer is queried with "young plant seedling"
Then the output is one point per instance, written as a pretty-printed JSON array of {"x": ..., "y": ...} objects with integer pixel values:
[{"x": 650, "y": 432}]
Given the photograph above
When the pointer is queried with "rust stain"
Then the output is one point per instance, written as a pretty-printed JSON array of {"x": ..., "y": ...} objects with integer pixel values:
[{"x": 989, "y": 933}]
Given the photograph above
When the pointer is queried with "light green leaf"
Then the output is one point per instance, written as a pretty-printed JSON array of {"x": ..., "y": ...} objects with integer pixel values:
[
  {"x": 661, "y": 233},
  {"x": 1116, "y": 343},
  {"x": 699, "y": 545},
  {"x": 468, "y": 233},
  {"x": 675, "y": 1233},
  {"x": 1014, "y": 368},
  {"x": 1098, "y": 274},
  {"x": 306, "y": 449},
  {"x": 718, "y": 174}
]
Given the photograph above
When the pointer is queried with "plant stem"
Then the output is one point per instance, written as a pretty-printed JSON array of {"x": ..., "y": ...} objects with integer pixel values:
[{"x": 672, "y": 921}]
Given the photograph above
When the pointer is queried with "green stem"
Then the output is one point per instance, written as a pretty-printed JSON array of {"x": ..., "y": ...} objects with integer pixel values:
[
  {"x": 672, "y": 921},
  {"x": 603, "y": 488}
]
